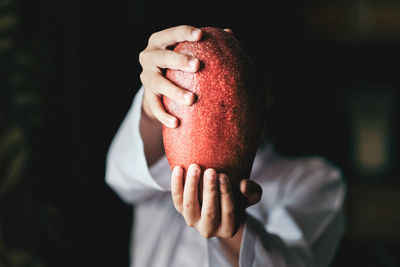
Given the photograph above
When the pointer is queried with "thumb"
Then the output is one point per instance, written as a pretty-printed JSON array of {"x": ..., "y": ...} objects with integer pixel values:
[{"x": 251, "y": 190}]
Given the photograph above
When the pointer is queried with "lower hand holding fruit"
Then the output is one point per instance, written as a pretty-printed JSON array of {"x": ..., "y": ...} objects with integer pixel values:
[{"x": 219, "y": 214}]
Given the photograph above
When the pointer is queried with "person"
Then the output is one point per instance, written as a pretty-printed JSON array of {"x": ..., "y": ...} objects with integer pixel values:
[{"x": 294, "y": 214}]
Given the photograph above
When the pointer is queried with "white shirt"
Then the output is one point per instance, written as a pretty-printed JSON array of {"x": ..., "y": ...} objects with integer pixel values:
[{"x": 298, "y": 222}]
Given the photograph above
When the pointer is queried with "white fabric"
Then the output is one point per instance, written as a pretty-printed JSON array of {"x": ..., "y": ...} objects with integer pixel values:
[{"x": 298, "y": 221}]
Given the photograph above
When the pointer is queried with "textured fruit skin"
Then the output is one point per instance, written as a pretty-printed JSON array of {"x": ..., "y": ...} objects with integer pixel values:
[{"x": 222, "y": 129}]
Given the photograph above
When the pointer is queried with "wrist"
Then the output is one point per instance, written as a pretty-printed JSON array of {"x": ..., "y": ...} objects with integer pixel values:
[
  {"x": 151, "y": 133},
  {"x": 231, "y": 246},
  {"x": 147, "y": 114}
]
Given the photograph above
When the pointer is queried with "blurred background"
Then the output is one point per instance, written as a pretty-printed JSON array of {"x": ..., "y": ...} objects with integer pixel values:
[{"x": 68, "y": 74}]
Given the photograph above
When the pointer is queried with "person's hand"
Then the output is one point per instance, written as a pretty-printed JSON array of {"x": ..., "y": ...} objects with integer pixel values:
[
  {"x": 154, "y": 60},
  {"x": 218, "y": 214}
]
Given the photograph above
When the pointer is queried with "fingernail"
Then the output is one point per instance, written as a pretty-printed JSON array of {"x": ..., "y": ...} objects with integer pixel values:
[
  {"x": 177, "y": 170},
  {"x": 188, "y": 98},
  {"x": 194, "y": 170},
  {"x": 211, "y": 177},
  {"x": 193, "y": 63},
  {"x": 172, "y": 122},
  {"x": 223, "y": 179},
  {"x": 196, "y": 32}
]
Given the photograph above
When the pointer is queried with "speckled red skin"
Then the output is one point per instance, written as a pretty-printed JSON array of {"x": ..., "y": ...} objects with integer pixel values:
[{"x": 222, "y": 129}]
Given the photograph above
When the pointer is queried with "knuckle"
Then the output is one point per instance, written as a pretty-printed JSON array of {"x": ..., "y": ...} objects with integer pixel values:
[
  {"x": 181, "y": 60},
  {"x": 210, "y": 215},
  {"x": 186, "y": 29},
  {"x": 230, "y": 214},
  {"x": 206, "y": 234},
  {"x": 229, "y": 232},
  {"x": 222, "y": 235},
  {"x": 146, "y": 78},
  {"x": 141, "y": 55},
  {"x": 171, "y": 90},
  {"x": 152, "y": 38},
  {"x": 142, "y": 76},
  {"x": 177, "y": 202},
  {"x": 226, "y": 234},
  {"x": 189, "y": 205},
  {"x": 189, "y": 222},
  {"x": 176, "y": 194}
]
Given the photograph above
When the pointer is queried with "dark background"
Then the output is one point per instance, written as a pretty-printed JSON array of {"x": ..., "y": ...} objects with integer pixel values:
[{"x": 69, "y": 71}]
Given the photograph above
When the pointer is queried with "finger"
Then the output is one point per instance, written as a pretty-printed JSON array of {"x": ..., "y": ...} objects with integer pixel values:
[
  {"x": 191, "y": 207},
  {"x": 172, "y": 60},
  {"x": 162, "y": 86},
  {"x": 158, "y": 110},
  {"x": 174, "y": 35},
  {"x": 177, "y": 188},
  {"x": 210, "y": 207},
  {"x": 251, "y": 190},
  {"x": 228, "y": 220}
]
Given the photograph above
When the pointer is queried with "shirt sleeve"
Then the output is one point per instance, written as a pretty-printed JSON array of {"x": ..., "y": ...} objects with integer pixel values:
[
  {"x": 304, "y": 230},
  {"x": 127, "y": 172}
]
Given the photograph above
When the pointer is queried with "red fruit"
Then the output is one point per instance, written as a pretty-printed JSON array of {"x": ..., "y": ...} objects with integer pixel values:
[{"x": 222, "y": 129}]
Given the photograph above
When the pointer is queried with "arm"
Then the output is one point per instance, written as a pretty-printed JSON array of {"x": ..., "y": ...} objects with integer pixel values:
[{"x": 127, "y": 171}]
